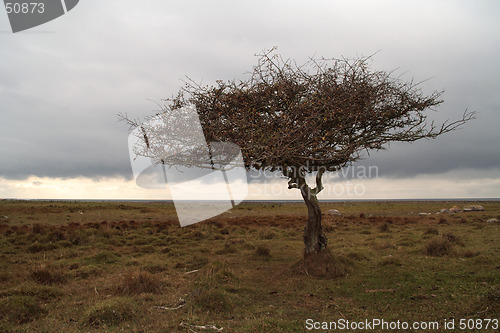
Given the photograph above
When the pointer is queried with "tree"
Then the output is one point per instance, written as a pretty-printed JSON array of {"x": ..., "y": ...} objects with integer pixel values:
[{"x": 312, "y": 118}]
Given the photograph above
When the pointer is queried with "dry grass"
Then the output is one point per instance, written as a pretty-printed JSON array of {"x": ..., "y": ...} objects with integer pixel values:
[
  {"x": 138, "y": 282},
  {"x": 437, "y": 247},
  {"x": 112, "y": 267},
  {"x": 262, "y": 251},
  {"x": 110, "y": 312},
  {"x": 46, "y": 275},
  {"x": 325, "y": 265}
]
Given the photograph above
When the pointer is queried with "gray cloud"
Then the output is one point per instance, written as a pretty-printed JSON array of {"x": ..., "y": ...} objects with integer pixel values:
[{"x": 60, "y": 91}]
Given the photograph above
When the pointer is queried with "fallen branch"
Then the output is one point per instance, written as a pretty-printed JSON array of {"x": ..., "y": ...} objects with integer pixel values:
[
  {"x": 201, "y": 327},
  {"x": 196, "y": 270},
  {"x": 181, "y": 303}
]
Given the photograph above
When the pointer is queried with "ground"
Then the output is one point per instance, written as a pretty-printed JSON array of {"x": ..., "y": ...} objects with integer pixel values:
[{"x": 112, "y": 266}]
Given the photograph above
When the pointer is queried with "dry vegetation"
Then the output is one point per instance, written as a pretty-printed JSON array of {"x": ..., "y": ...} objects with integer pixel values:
[{"x": 69, "y": 266}]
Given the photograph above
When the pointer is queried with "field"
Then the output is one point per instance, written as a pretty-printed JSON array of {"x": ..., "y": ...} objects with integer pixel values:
[{"x": 113, "y": 267}]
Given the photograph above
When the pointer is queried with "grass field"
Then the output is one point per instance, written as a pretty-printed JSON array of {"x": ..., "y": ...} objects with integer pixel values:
[{"x": 113, "y": 267}]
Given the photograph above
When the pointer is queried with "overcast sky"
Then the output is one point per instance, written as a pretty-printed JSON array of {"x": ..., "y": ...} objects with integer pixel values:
[{"x": 63, "y": 83}]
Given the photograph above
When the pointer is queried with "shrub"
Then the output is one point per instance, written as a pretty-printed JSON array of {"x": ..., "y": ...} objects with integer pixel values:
[
  {"x": 228, "y": 248},
  {"x": 54, "y": 236},
  {"x": 453, "y": 239},
  {"x": 37, "y": 228},
  {"x": 78, "y": 237},
  {"x": 384, "y": 227},
  {"x": 213, "y": 301},
  {"x": 20, "y": 309},
  {"x": 110, "y": 312},
  {"x": 431, "y": 231},
  {"x": 326, "y": 265},
  {"x": 138, "y": 282},
  {"x": 45, "y": 275},
  {"x": 437, "y": 247},
  {"x": 262, "y": 251},
  {"x": 39, "y": 247}
]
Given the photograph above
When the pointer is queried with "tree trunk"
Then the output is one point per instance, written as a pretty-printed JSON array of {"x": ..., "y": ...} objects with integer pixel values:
[{"x": 314, "y": 240}]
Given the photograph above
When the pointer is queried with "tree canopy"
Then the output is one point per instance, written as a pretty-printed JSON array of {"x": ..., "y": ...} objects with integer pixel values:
[{"x": 321, "y": 114}]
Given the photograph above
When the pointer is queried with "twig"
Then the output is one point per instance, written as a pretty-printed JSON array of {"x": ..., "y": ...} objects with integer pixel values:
[
  {"x": 201, "y": 327},
  {"x": 181, "y": 303},
  {"x": 196, "y": 270}
]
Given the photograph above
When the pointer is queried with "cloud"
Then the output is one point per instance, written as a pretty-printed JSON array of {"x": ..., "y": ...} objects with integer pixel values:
[
  {"x": 61, "y": 91},
  {"x": 456, "y": 184}
]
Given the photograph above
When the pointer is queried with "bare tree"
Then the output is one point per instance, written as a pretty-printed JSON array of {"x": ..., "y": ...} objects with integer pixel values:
[{"x": 312, "y": 118}]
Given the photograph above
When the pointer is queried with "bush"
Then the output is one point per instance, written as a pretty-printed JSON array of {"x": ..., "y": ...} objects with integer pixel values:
[
  {"x": 54, "y": 236},
  {"x": 431, "y": 231},
  {"x": 45, "y": 275},
  {"x": 453, "y": 239},
  {"x": 37, "y": 228},
  {"x": 326, "y": 265},
  {"x": 20, "y": 309},
  {"x": 384, "y": 227},
  {"x": 138, "y": 282},
  {"x": 213, "y": 301},
  {"x": 262, "y": 251},
  {"x": 110, "y": 312},
  {"x": 39, "y": 247},
  {"x": 78, "y": 237},
  {"x": 437, "y": 247},
  {"x": 228, "y": 248},
  {"x": 443, "y": 221}
]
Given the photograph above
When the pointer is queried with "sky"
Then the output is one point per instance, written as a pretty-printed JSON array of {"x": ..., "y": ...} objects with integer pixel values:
[{"x": 63, "y": 83}]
